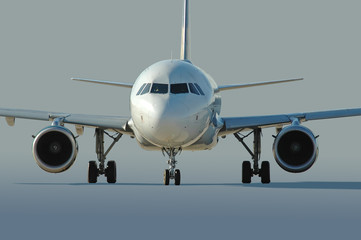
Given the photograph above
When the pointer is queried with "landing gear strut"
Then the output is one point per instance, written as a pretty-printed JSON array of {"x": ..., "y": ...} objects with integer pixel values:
[
  {"x": 247, "y": 171},
  {"x": 110, "y": 171},
  {"x": 172, "y": 173}
]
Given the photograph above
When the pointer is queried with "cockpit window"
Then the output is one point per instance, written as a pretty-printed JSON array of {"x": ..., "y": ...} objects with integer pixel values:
[
  {"x": 146, "y": 89},
  {"x": 178, "y": 88},
  {"x": 193, "y": 89},
  {"x": 159, "y": 88},
  {"x": 141, "y": 88},
  {"x": 199, "y": 89}
]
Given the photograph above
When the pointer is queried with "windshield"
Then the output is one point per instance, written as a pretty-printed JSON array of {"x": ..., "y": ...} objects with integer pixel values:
[
  {"x": 178, "y": 88},
  {"x": 159, "y": 88}
]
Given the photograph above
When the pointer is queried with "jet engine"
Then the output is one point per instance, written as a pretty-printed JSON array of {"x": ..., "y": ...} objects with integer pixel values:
[
  {"x": 55, "y": 149},
  {"x": 295, "y": 148}
]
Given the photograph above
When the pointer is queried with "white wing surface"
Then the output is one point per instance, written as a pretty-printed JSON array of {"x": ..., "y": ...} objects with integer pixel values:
[
  {"x": 237, "y": 124},
  {"x": 116, "y": 123}
]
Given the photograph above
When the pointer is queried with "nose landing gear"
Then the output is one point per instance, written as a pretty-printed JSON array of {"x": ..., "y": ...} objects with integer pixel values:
[{"x": 172, "y": 173}]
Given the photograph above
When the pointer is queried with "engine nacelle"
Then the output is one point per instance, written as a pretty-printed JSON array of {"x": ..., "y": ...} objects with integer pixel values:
[
  {"x": 55, "y": 149},
  {"x": 295, "y": 149}
]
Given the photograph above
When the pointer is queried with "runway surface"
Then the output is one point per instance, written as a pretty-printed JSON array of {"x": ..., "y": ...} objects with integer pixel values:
[{"x": 139, "y": 210}]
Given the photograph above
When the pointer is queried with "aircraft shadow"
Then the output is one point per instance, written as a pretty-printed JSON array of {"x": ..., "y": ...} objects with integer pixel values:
[
  {"x": 309, "y": 185},
  {"x": 274, "y": 185}
]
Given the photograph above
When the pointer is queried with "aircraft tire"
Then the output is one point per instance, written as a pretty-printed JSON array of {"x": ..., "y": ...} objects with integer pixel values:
[
  {"x": 92, "y": 172},
  {"x": 265, "y": 172},
  {"x": 111, "y": 172},
  {"x": 246, "y": 172},
  {"x": 177, "y": 177},
  {"x": 166, "y": 177}
]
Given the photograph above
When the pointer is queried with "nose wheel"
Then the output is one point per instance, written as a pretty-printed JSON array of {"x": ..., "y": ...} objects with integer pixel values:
[
  {"x": 167, "y": 176},
  {"x": 172, "y": 173}
]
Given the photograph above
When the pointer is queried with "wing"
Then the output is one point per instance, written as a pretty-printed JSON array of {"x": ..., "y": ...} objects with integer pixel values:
[
  {"x": 117, "y": 84},
  {"x": 236, "y": 86},
  {"x": 237, "y": 124},
  {"x": 116, "y": 123}
]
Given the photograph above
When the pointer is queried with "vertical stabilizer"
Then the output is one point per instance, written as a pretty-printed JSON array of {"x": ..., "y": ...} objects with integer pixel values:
[{"x": 185, "y": 49}]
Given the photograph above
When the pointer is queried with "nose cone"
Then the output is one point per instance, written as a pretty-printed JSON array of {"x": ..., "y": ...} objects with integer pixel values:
[
  {"x": 172, "y": 121},
  {"x": 170, "y": 124}
]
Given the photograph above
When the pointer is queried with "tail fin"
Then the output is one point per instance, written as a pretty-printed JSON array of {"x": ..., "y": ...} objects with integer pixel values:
[{"x": 185, "y": 44}]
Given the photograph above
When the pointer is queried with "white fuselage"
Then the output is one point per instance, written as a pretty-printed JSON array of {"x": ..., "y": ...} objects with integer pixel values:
[{"x": 173, "y": 105}]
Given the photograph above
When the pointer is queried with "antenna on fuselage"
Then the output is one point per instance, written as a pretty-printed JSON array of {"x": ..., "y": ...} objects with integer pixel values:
[{"x": 185, "y": 43}]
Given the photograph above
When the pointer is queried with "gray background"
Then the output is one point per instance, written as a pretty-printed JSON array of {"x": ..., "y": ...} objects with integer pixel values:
[{"x": 45, "y": 43}]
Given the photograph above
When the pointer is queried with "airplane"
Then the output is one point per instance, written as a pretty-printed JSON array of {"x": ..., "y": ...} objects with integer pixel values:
[{"x": 175, "y": 106}]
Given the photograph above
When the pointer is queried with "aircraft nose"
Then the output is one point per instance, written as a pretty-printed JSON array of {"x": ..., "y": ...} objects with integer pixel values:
[{"x": 169, "y": 124}]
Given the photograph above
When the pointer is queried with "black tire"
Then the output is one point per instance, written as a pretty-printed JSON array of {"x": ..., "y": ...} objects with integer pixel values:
[
  {"x": 265, "y": 173},
  {"x": 166, "y": 177},
  {"x": 246, "y": 172},
  {"x": 177, "y": 177},
  {"x": 92, "y": 172},
  {"x": 111, "y": 172}
]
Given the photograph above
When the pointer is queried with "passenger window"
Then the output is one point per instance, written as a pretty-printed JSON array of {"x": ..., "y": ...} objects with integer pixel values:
[
  {"x": 146, "y": 89},
  {"x": 199, "y": 89},
  {"x": 141, "y": 88},
  {"x": 159, "y": 88},
  {"x": 193, "y": 89},
  {"x": 178, "y": 88}
]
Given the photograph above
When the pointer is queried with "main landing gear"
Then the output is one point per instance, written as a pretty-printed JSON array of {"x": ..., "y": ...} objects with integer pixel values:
[
  {"x": 247, "y": 171},
  {"x": 172, "y": 173},
  {"x": 110, "y": 172}
]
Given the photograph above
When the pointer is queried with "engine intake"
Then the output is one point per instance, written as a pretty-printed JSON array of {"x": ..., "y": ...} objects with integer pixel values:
[
  {"x": 295, "y": 149},
  {"x": 55, "y": 149}
]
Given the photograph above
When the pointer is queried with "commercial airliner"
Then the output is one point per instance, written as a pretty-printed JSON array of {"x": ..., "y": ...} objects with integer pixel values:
[{"x": 176, "y": 106}]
